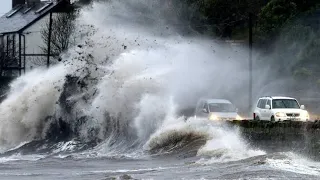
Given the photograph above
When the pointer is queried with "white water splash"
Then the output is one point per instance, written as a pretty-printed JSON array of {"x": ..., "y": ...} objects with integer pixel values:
[
  {"x": 32, "y": 98},
  {"x": 146, "y": 74},
  {"x": 222, "y": 144},
  {"x": 296, "y": 164},
  {"x": 226, "y": 145},
  {"x": 19, "y": 157}
]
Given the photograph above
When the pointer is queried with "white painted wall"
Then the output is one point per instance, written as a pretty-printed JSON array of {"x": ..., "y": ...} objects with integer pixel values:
[{"x": 33, "y": 43}]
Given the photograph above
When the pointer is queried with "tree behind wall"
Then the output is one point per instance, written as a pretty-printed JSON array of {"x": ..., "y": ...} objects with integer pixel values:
[
  {"x": 63, "y": 26},
  {"x": 218, "y": 18}
]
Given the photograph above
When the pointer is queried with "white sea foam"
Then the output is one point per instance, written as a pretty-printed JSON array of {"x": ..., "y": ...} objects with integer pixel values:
[{"x": 295, "y": 163}]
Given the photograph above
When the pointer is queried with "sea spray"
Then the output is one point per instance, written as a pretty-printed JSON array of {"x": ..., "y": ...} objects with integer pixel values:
[
  {"x": 31, "y": 100},
  {"x": 125, "y": 83}
]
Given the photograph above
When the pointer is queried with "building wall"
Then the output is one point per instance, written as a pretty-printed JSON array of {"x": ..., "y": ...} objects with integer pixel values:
[{"x": 34, "y": 42}]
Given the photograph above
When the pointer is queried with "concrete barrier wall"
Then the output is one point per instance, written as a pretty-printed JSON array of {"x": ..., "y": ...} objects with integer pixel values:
[{"x": 300, "y": 137}]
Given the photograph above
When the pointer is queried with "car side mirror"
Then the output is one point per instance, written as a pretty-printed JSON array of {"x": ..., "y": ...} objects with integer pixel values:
[
  {"x": 267, "y": 107},
  {"x": 204, "y": 110},
  {"x": 302, "y": 107}
]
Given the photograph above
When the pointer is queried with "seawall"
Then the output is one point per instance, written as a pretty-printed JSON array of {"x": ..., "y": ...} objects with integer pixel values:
[{"x": 301, "y": 137}]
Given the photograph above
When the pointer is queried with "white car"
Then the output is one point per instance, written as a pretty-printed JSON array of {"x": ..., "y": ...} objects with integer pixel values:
[
  {"x": 216, "y": 109},
  {"x": 276, "y": 108}
]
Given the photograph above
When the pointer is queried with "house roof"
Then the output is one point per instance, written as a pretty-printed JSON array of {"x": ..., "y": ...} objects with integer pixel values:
[{"x": 23, "y": 16}]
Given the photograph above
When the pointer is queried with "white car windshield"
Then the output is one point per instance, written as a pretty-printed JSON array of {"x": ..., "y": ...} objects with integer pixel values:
[
  {"x": 221, "y": 107},
  {"x": 285, "y": 103}
]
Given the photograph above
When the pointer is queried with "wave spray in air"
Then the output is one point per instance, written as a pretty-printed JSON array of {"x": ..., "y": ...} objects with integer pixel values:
[{"x": 122, "y": 88}]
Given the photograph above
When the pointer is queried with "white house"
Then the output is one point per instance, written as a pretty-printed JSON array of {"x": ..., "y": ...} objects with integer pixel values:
[{"x": 20, "y": 37}]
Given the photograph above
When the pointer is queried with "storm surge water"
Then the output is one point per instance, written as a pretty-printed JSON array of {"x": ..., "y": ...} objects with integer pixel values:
[{"x": 121, "y": 90}]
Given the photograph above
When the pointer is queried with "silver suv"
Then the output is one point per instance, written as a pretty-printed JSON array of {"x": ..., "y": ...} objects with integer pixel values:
[{"x": 216, "y": 109}]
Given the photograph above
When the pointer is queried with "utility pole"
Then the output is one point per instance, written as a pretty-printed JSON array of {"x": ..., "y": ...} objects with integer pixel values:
[
  {"x": 250, "y": 62},
  {"x": 20, "y": 54},
  {"x": 49, "y": 40}
]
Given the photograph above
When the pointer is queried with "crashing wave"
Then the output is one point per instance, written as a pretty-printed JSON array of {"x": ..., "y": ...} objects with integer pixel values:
[{"x": 123, "y": 88}]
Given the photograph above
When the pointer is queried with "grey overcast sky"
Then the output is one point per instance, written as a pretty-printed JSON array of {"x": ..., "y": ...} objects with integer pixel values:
[{"x": 5, "y": 6}]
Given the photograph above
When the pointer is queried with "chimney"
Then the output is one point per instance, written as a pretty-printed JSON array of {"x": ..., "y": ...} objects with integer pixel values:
[{"x": 17, "y": 2}]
